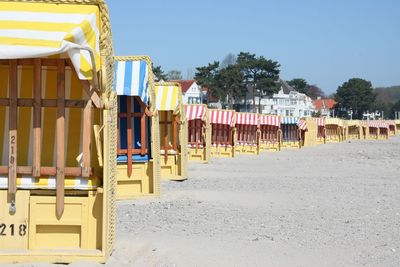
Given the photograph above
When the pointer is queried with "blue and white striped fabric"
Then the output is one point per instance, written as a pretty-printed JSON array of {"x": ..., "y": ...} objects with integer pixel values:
[
  {"x": 132, "y": 79},
  {"x": 289, "y": 120}
]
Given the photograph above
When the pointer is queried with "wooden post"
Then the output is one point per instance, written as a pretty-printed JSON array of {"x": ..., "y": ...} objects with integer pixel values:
[
  {"x": 37, "y": 117},
  {"x": 13, "y": 122},
  {"x": 60, "y": 138},
  {"x": 129, "y": 133},
  {"x": 86, "y": 132},
  {"x": 143, "y": 134},
  {"x": 166, "y": 136},
  {"x": 175, "y": 126}
]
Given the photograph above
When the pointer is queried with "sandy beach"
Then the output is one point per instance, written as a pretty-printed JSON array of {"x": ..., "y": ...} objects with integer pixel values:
[{"x": 330, "y": 205}]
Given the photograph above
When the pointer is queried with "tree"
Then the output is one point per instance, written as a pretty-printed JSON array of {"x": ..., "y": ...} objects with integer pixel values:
[
  {"x": 230, "y": 59},
  {"x": 395, "y": 108},
  {"x": 314, "y": 92},
  {"x": 158, "y": 74},
  {"x": 174, "y": 75},
  {"x": 355, "y": 94},
  {"x": 260, "y": 75},
  {"x": 300, "y": 85},
  {"x": 228, "y": 84},
  {"x": 205, "y": 76}
]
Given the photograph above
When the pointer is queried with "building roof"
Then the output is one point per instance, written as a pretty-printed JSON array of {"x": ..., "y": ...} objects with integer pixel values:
[
  {"x": 185, "y": 84},
  {"x": 286, "y": 87},
  {"x": 328, "y": 103}
]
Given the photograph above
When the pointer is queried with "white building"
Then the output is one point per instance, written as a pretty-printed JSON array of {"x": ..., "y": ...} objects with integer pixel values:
[
  {"x": 191, "y": 92},
  {"x": 287, "y": 102}
]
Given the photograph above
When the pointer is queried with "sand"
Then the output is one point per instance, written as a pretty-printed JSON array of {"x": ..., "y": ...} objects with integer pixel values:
[{"x": 330, "y": 205}]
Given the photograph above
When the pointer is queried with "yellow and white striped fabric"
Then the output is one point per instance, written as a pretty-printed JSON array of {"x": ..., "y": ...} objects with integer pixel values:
[
  {"x": 167, "y": 97},
  {"x": 333, "y": 121},
  {"x": 31, "y": 30},
  {"x": 73, "y": 128},
  {"x": 50, "y": 183}
]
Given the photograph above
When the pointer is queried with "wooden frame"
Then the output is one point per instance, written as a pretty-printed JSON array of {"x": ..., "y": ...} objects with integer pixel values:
[
  {"x": 129, "y": 115},
  {"x": 169, "y": 134},
  {"x": 196, "y": 131},
  {"x": 37, "y": 103},
  {"x": 222, "y": 135}
]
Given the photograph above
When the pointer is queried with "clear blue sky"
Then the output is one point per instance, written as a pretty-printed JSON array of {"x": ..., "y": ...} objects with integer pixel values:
[{"x": 325, "y": 42}]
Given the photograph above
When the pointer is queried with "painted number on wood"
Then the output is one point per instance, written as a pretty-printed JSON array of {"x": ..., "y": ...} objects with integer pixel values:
[{"x": 12, "y": 229}]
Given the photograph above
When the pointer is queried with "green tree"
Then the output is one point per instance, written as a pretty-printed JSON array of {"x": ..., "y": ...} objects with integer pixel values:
[
  {"x": 300, "y": 85},
  {"x": 355, "y": 94},
  {"x": 174, "y": 75},
  {"x": 158, "y": 74},
  {"x": 205, "y": 76},
  {"x": 260, "y": 75},
  {"x": 228, "y": 84},
  {"x": 395, "y": 108},
  {"x": 314, "y": 92}
]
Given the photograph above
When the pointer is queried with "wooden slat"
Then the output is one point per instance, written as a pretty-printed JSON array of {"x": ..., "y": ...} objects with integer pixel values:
[
  {"x": 12, "y": 161},
  {"x": 46, "y": 171},
  {"x": 87, "y": 133},
  {"x": 129, "y": 134},
  {"x": 60, "y": 138},
  {"x": 166, "y": 135},
  {"x": 46, "y": 103},
  {"x": 48, "y": 62},
  {"x": 175, "y": 132},
  {"x": 143, "y": 134},
  {"x": 37, "y": 117}
]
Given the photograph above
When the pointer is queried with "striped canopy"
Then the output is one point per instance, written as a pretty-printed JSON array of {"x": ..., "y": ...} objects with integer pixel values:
[
  {"x": 221, "y": 116},
  {"x": 270, "y": 120},
  {"x": 41, "y": 30},
  {"x": 289, "y": 120},
  {"x": 194, "y": 112},
  {"x": 353, "y": 123},
  {"x": 302, "y": 124},
  {"x": 391, "y": 123},
  {"x": 132, "y": 78},
  {"x": 167, "y": 96},
  {"x": 320, "y": 121},
  {"x": 378, "y": 124},
  {"x": 333, "y": 121},
  {"x": 246, "y": 118}
]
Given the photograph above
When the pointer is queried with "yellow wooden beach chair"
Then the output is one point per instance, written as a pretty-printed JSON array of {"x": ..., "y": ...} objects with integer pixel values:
[
  {"x": 334, "y": 130},
  {"x": 138, "y": 147},
  {"x": 173, "y": 131},
  {"x": 247, "y": 133},
  {"x": 309, "y": 132},
  {"x": 57, "y": 135},
  {"x": 222, "y": 133},
  {"x": 199, "y": 132},
  {"x": 270, "y": 133},
  {"x": 354, "y": 129}
]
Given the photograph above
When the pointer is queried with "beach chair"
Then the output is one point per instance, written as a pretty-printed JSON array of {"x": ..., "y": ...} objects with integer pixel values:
[
  {"x": 397, "y": 122},
  {"x": 354, "y": 129},
  {"x": 173, "y": 131},
  {"x": 138, "y": 146},
  {"x": 333, "y": 130},
  {"x": 373, "y": 130},
  {"x": 383, "y": 132},
  {"x": 199, "y": 132},
  {"x": 392, "y": 127},
  {"x": 223, "y": 134},
  {"x": 247, "y": 133},
  {"x": 290, "y": 132},
  {"x": 270, "y": 133},
  {"x": 58, "y": 132},
  {"x": 320, "y": 130},
  {"x": 308, "y": 132},
  {"x": 365, "y": 129}
]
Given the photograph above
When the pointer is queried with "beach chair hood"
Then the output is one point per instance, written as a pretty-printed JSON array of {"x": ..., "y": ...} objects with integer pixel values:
[
  {"x": 196, "y": 112},
  {"x": 247, "y": 118},
  {"x": 168, "y": 97},
  {"x": 44, "y": 30},
  {"x": 221, "y": 116},
  {"x": 131, "y": 75},
  {"x": 270, "y": 120}
]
